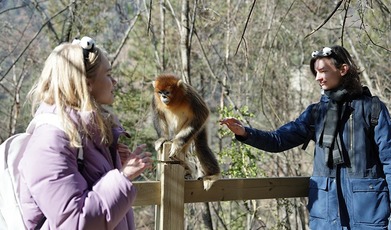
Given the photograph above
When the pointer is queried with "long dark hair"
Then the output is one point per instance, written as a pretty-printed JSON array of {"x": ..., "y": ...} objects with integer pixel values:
[{"x": 339, "y": 56}]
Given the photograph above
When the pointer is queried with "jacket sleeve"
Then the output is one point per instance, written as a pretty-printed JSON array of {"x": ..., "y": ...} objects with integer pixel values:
[
  {"x": 382, "y": 136},
  {"x": 286, "y": 137},
  {"x": 51, "y": 174}
]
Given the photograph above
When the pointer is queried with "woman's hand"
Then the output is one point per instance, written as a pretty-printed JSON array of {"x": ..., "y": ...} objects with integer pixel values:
[
  {"x": 234, "y": 125},
  {"x": 136, "y": 162},
  {"x": 123, "y": 152}
]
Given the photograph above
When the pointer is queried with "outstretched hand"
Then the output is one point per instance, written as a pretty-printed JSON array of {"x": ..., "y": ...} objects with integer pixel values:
[
  {"x": 234, "y": 125},
  {"x": 136, "y": 162}
]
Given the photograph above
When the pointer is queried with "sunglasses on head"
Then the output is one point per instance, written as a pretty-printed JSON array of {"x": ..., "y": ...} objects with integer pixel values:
[
  {"x": 325, "y": 52},
  {"x": 87, "y": 44}
]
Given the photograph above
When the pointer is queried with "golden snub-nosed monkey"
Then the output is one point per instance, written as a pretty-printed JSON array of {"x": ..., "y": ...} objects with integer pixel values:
[{"x": 180, "y": 116}]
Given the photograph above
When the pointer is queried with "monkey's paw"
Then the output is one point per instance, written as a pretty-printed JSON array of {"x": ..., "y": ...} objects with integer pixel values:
[
  {"x": 159, "y": 144},
  {"x": 209, "y": 180},
  {"x": 176, "y": 148}
]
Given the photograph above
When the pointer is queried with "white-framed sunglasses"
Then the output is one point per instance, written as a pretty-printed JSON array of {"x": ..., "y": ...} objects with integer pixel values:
[
  {"x": 87, "y": 44},
  {"x": 325, "y": 52}
]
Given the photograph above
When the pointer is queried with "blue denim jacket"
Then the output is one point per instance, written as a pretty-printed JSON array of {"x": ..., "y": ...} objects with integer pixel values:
[{"x": 355, "y": 195}]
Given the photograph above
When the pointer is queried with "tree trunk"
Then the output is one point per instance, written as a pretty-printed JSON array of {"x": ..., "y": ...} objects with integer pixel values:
[
  {"x": 163, "y": 35},
  {"x": 185, "y": 46}
]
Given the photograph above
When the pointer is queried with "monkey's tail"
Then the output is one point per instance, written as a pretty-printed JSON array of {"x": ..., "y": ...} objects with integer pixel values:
[{"x": 209, "y": 180}]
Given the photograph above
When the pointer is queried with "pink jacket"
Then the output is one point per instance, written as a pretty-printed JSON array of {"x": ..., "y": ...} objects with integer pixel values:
[{"x": 98, "y": 197}]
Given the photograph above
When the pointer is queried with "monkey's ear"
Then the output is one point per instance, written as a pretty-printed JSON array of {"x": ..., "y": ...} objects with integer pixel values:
[
  {"x": 154, "y": 84},
  {"x": 182, "y": 85}
]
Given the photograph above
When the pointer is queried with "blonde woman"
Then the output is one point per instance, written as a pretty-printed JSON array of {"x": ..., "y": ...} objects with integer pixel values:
[{"x": 58, "y": 190}]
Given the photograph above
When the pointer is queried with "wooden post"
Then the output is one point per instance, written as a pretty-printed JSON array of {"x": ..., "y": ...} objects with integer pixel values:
[{"x": 171, "y": 211}]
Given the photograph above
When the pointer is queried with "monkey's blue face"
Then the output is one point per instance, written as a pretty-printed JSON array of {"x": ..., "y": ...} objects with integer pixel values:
[{"x": 164, "y": 96}]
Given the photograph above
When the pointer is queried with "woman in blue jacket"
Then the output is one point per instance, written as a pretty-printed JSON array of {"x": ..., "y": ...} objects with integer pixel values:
[{"x": 350, "y": 184}]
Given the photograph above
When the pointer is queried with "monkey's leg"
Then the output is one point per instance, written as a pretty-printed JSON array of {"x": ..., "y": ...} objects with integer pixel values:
[
  {"x": 183, "y": 137},
  {"x": 190, "y": 167},
  {"x": 159, "y": 143}
]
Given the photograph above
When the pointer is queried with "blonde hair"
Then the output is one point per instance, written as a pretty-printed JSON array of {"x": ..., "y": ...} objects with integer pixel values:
[{"x": 63, "y": 83}]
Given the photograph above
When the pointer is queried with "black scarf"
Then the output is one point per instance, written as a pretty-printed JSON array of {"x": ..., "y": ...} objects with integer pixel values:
[{"x": 330, "y": 140}]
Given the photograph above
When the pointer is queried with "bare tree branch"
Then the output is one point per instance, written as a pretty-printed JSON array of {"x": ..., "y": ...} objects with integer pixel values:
[
  {"x": 268, "y": 56},
  {"x": 346, "y": 8},
  {"x": 374, "y": 43},
  {"x": 18, "y": 40},
  {"x": 163, "y": 62},
  {"x": 68, "y": 23},
  {"x": 226, "y": 88},
  {"x": 192, "y": 23},
  {"x": 5, "y": 89},
  {"x": 45, "y": 17},
  {"x": 184, "y": 43},
  {"x": 326, "y": 20},
  {"x": 125, "y": 38},
  {"x": 175, "y": 17},
  {"x": 245, "y": 26},
  {"x": 13, "y": 8},
  {"x": 149, "y": 15},
  {"x": 153, "y": 36},
  {"x": 383, "y": 8},
  {"x": 15, "y": 109},
  {"x": 31, "y": 41}
]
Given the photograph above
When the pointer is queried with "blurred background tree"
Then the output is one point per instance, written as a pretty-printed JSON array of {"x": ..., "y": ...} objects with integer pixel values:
[{"x": 249, "y": 59}]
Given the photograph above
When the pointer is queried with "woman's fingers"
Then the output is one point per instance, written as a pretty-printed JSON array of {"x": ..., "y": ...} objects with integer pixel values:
[{"x": 139, "y": 149}]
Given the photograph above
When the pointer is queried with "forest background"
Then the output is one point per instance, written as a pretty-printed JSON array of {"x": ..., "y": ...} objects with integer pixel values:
[{"x": 248, "y": 59}]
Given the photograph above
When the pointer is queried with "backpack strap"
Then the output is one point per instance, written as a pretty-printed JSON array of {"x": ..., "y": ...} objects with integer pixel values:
[
  {"x": 44, "y": 118},
  {"x": 375, "y": 113},
  {"x": 375, "y": 110},
  {"x": 314, "y": 116}
]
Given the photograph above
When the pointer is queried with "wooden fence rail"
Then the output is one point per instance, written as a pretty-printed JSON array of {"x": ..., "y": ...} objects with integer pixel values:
[
  {"x": 172, "y": 191},
  {"x": 228, "y": 190}
]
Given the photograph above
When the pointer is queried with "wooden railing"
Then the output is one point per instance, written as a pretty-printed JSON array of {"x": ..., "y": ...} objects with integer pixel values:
[{"x": 173, "y": 191}]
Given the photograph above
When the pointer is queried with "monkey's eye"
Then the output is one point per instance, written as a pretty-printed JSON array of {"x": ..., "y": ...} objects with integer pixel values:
[{"x": 164, "y": 92}]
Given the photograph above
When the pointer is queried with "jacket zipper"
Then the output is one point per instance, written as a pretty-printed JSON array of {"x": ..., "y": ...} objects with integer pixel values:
[
  {"x": 351, "y": 132},
  {"x": 351, "y": 155}
]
